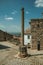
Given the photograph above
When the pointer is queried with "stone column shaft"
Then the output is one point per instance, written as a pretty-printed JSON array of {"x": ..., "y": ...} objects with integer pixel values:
[{"x": 22, "y": 26}]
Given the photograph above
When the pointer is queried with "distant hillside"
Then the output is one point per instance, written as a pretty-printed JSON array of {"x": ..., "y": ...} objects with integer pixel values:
[{"x": 16, "y": 34}]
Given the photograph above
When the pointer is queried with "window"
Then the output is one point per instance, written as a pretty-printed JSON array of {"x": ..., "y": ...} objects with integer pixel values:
[
  {"x": 28, "y": 37},
  {"x": 38, "y": 25}
]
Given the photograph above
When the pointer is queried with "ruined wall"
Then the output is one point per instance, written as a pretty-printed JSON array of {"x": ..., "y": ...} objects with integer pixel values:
[
  {"x": 4, "y": 36},
  {"x": 37, "y": 32}
]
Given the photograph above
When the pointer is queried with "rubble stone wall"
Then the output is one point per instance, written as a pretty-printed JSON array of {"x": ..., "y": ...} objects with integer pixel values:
[{"x": 37, "y": 32}]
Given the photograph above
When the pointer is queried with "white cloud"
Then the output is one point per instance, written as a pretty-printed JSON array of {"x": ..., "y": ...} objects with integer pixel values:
[
  {"x": 39, "y": 3},
  {"x": 14, "y": 12},
  {"x": 27, "y": 12},
  {"x": 8, "y": 18}
]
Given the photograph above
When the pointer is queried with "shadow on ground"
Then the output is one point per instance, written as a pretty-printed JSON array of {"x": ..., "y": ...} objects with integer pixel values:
[
  {"x": 29, "y": 55},
  {"x": 3, "y": 47}
]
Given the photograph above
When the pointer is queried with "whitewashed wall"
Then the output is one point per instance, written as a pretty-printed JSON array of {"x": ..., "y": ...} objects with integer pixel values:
[{"x": 26, "y": 40}]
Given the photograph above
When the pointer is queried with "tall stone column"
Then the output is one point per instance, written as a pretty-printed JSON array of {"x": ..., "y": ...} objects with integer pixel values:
[
  {"x": 22, "y": 48},
  {"x": 22, "y": 33}
]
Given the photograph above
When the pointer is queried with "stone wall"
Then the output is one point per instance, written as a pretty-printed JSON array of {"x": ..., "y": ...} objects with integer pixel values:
[
  {"x": 4, "y": 36},
  {"x": 37, "y": 33}
]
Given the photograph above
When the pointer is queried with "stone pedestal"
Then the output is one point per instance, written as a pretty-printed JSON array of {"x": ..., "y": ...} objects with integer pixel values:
[{"x": 23, "y": 51}]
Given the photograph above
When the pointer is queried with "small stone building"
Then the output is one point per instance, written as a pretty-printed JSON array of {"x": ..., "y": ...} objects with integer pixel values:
[
  {"x": 27, "y": 37},
  {"x": 37, "y": 33},
  {"x": 4, "y": 36}
]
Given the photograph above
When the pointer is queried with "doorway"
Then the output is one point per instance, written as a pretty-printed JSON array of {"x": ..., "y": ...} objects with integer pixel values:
[{"x": 38, "y": 45}]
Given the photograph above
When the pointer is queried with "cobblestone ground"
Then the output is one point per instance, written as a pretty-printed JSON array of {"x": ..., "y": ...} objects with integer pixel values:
[{"x": 10, "y": 58}]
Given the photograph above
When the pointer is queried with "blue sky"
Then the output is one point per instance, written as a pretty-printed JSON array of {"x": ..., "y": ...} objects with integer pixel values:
[{"x": 10, "y": 13}]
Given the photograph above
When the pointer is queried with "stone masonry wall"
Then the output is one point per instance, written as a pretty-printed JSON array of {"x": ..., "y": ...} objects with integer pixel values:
[{"x": 37, "y": 32}]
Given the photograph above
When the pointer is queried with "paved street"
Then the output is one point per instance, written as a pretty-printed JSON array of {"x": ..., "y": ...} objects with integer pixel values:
[{"x": 9, "y": 52}]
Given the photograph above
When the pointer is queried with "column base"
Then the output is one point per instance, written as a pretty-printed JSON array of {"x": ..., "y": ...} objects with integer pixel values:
[{"x": 23, "y": 51}]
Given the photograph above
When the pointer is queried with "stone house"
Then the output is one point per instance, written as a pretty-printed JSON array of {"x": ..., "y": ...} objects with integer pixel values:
[
  {"x": 4, "y": 36},
  {"x": 37, "y": 33},
  {"x": 27, "y": 37}
]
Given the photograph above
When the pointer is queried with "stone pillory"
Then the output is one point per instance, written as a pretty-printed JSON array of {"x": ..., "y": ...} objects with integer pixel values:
[
  {"x": 22, "y": 26},
  {"x": 37, "y": 33},
  {"x": 22, "y": 48}
]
